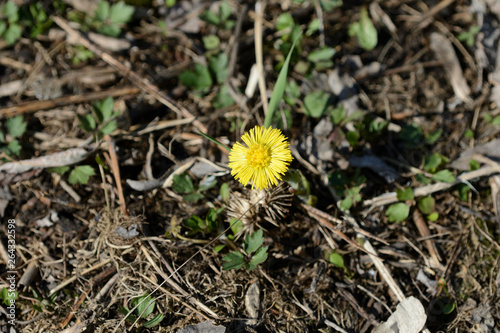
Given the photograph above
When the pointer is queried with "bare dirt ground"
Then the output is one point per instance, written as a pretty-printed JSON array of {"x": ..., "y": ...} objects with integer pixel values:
[{"x": 394, "y": 197}]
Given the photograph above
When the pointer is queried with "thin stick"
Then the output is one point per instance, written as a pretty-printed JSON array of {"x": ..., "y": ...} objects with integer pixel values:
[{"x": 33, "y": 106}]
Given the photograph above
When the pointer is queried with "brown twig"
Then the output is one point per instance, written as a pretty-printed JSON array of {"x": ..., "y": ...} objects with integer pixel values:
[
  {"x": 115, "y": 169},
  {"x": 424, "y": 232},
  {"x": 33, "y": 106}
]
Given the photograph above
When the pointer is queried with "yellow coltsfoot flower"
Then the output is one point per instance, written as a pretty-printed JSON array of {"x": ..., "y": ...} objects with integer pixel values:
[{"x": 265, "y": 159}]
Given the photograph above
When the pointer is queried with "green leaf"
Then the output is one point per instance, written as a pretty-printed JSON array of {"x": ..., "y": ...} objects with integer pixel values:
[
  {"x": 292, "y": 92},
  {"x": 411, "y": 135},
  {"x": 194, "y": 223},
  {"x": 405, "y": 194},
  {"x": 219, "y": 66},
  {"x": 337, "y": 260},
  {"x": 253, "y": 242},
  {"x": 279, "y": 88},
  {"x": 225, "y": 10},
  {"x": 87, "y": 122},
  {"x": 224, "y": 192},
  {"x": 426, "y": 204},
  {"x": 3, "y": 27},
  {"x": 422, "y": 179},
  {"x": 469, "y": 134},
  {"x": 316, "y": 103},
  {"x": 102, "y": 11},
  {"x": 125, "y": 311},
  {"x": 352, "y": 137},
  {"x": 110, "y": 29},
  {"x": 2, "y": 136},
  {"x": 11, "y": 10},
  {"x": 104, "y": 109},
  {"x": 474, "y": 165},
  {"x": 12, "y": 34},
  {"x": 182, "y": 183},
  {"x": 211, "y": 42},
  {"x": 398, "y": 212},
  {"x": 258, "y": 258},
  {"x": 14, "y": 147},
  {"x": 431, "y": 139},
  {"x": 338, "y": 114},
  {"x": 433, "y": 216},
  {"x": 432, "y": 162},
  {"x": 81, "y": 174},
  {"x": 192, "y": 197},
  {"x": 154, "y": 322},
  {"x": 284, "y": 21},
  {"x": 211, "y": 17},
  {"x": 8, "y": 297},
  {"x": 328, "y": 5},
  {"x": 236, "y": 226},
  {"x": 16, "y": 126},
  {"x": 199, "y": 80},
  {"x": 367, "y": 34},
  {"x": 312, "y": 27},
  {"x": 218, "y": 248},
  {"x": 448, "y": 308},
  {"x": 109, "y": 127},
  {"x": 346, "y": 204},
  {"x": 121, "y": 13},
  {"x": 61, "y": 170},
  {"x": 223, "y": 99},
  {"x": 145, "y": 305},
  {"x": 323, "y": 54},
  {"x": 496, "y": 121},
  {"x": 445, "y": 176},
  {"x": 233, "y": 260}
]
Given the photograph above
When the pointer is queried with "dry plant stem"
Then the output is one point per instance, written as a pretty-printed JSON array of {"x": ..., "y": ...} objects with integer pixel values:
[
  {"x": 424, "y": 232},
  {"x": 319, "y": 15},
  {"x": 175, "y": 286},
  {"x": 384, "y": 272},
  {"x": 259, "y": 12},
  {"x": 424, "y": 22},
  {"x": 136, "y": 78},
  {"x": 389, "y": 198},
  {"x": 73, "y": 278},
  {"x": 33, "y": 106},
  {"x": 95, "y": 280},
  {"x": 29, "y": 273},
  {"x": 116, "y": 173}
]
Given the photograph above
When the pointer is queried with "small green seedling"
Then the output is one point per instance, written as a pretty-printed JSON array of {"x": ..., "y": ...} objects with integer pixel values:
[
  {"x": 183, "y": 184},
  {"x": 8, "y": 297},
  {"x": 108, "y": 20},
  {"x": 102, "y": 120},
  {"x": 254, "y": 253},
  {"x": 145, "y": 307},
  {"x": 14, "y": 128},
  {"x": 79, "y": 175},
  {"x": 10, "y": 29},
  {"x": 195, "y": 224},
  {"x": 220, "y": 19},
  {"x": 469, "y": 36},
  {"x": 365, "y": 31}
]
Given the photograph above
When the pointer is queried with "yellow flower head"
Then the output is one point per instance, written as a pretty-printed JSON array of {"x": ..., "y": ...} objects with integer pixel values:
[{"x": 263, "y": 161}]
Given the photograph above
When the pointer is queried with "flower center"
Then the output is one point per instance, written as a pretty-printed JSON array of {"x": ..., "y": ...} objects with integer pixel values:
[{"x": 259, "y": 156}]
